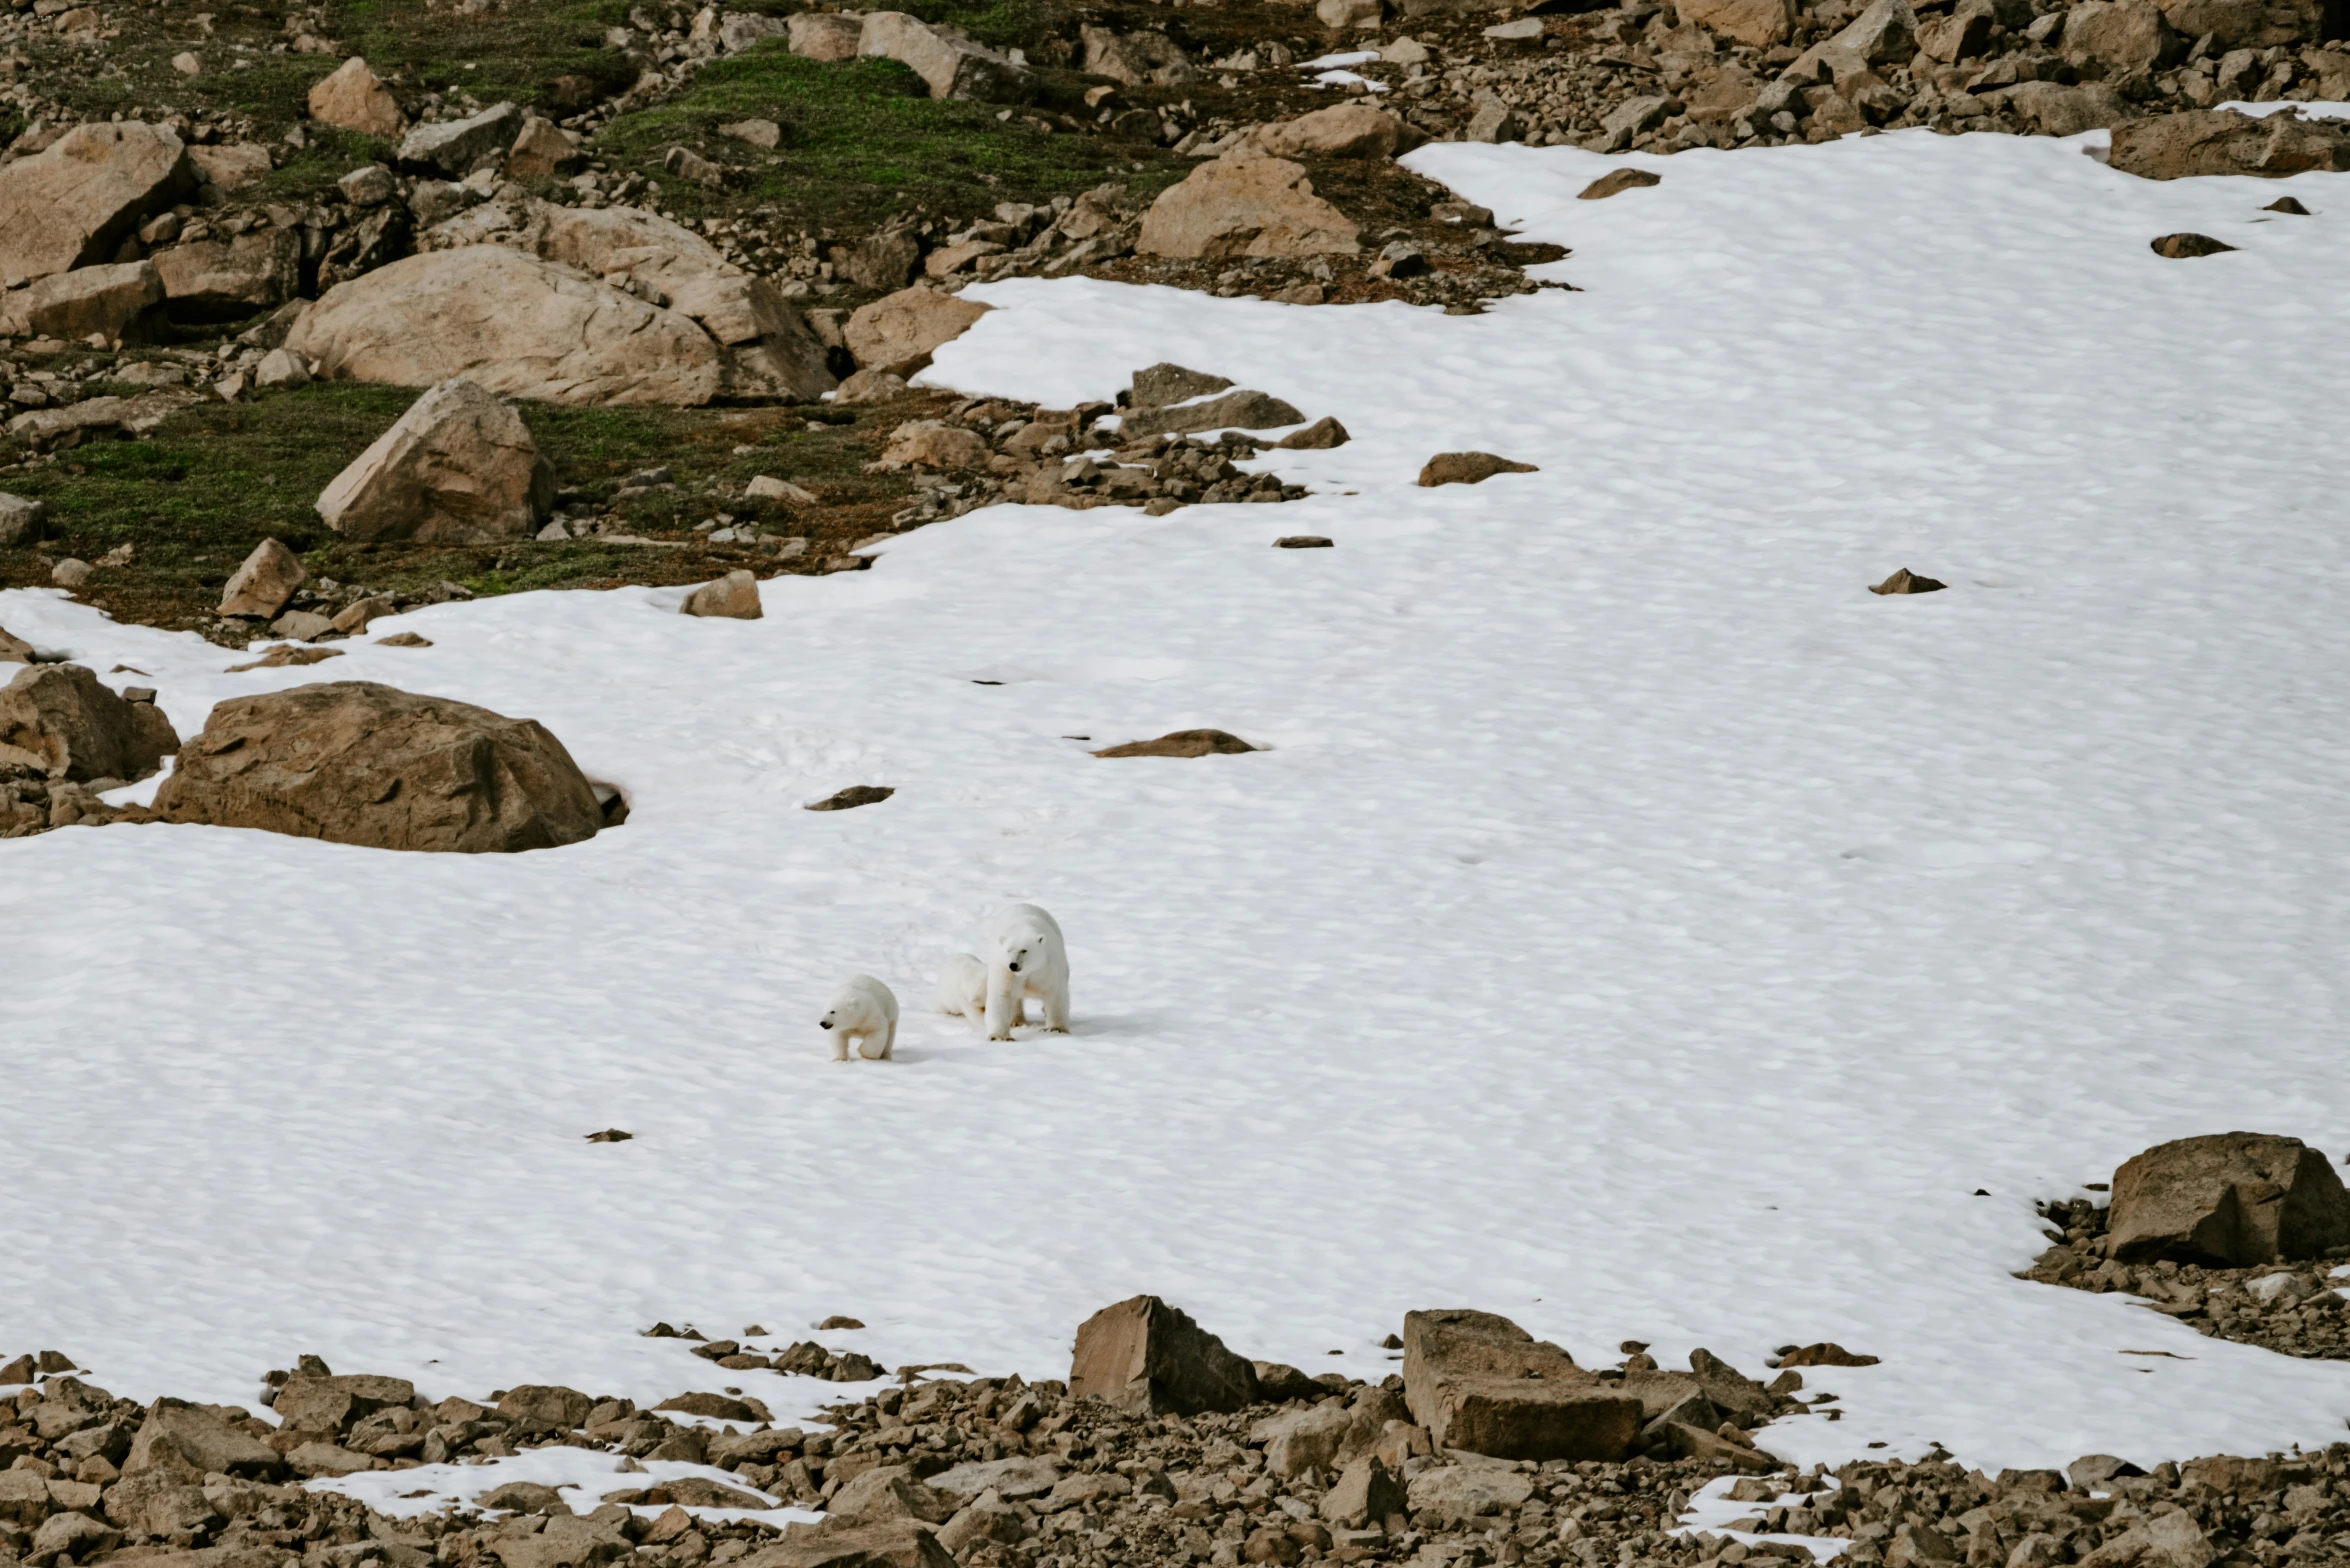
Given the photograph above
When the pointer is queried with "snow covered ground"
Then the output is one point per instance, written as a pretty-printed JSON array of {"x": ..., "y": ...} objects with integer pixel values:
[{"x": 1634, "y": 926}]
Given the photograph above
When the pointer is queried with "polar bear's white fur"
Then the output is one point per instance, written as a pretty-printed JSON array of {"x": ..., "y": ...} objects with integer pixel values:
[
  {"x": 1025, "y": 958},
  {"x": 862, "y": 1010},
  {"x": 962, "y": 989}
]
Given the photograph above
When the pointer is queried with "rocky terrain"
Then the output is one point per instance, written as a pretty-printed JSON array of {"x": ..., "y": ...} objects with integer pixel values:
[
  {"x": 226, "y": 227},
  {"x": 1201, "y": 1458}
]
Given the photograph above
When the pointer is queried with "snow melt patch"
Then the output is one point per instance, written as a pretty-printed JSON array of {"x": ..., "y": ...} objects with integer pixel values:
[{"x": 1635, "y": 927}]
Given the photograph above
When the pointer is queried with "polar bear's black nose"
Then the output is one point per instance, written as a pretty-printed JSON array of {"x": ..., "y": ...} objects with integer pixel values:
[
  {"x": 1014, "y": 967},
  {"x": 826, "y": 1024}
]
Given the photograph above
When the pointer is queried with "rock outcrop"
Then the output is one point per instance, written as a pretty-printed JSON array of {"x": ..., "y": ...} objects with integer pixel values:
[
  {"x": 230, "y": 278},
  {"x": 1146, "y": 1357},
  {"x": 353, "y": 762},
  {"x": 2221, "y": 141},
  {"x": 511, "y": 323},
  {"x": 2232, "y": 1199},
  {"x": 1245, "y": 203},
  {"x": 73, "y": 203},
  {"x": 459, "y": 467},
  {"x": 63, "y": 722}
]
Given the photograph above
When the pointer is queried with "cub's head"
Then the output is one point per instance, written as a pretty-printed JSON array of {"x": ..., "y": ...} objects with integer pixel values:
[{"x": 838, "y": 1015}]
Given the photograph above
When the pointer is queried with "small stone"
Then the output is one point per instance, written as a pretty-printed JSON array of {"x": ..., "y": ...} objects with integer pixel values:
[
  {"x": 2287, "y": 204},
  {"x": 1468, "y": 468},
  {"x": 368, "y": 186},
  {"x": 2185, "y": 247},
  {"x": 19, "y": 515},
  {"x": 286, "y": 653},
  {"x": 1825, "y": 1354},
  {"x": 1526, "y": 29},
  {"x": 1320, "y": 436},
  {"x": 301, "y": 625},
  {"x": 1617, "y": 182},
  {"x": 1907, "y": 581},
  {"x": 1301, "y": 542},
  {"x": 1180, "y": 743},
  {"x": 610, "y": 1135},
  {"x": 733, "y": 597},
  {"x": 281, "y": 367},
  {"x": 838, "y": 1321},
  {"x": 70, "y": 572},
  {"x": 403, "y": 640},
  {"x": 848, "y": 800}
]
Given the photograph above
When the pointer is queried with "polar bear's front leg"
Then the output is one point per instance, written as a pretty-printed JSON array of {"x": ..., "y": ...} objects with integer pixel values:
[
  {"x": 889, "y": 1043},
  {"x": 840, "y": 1045},
  {"x": 1003, "y": 1001}
]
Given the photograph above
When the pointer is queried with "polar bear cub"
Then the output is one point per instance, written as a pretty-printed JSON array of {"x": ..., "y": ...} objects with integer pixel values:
[
  {"x": 862, "y": 1010},
  {"x": 962, "y": 989},
  {"x": 1025, "y": 958}
]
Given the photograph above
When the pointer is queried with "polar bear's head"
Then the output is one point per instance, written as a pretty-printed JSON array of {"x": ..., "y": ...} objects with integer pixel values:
[
  {"x": 841, "y": 1015},
  {"x": 1025, "y": 950}
]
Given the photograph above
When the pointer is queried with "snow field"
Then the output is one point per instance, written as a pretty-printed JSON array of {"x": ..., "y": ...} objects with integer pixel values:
[{"x": 1634, "y": 927}]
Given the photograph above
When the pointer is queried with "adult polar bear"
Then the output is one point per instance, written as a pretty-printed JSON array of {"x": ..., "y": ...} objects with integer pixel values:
[{"x": 1025, "y": 957}]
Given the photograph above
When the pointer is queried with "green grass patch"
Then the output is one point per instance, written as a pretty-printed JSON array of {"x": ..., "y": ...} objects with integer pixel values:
[{"x": 861, "y": 138}]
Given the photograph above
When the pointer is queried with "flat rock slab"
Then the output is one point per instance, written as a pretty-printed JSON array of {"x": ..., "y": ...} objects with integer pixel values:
[
  {"x": 71, "y": 204},
  {"x": 1482, "y": 1384},
  {"x": 2221, "y": 141}
]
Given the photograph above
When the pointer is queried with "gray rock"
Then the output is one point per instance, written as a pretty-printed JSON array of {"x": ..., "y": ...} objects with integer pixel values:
[
  {"x": 19, "y": 515},
  {"x": 1237, "y": 410},
  {"x": 1010, "y": 1479}
]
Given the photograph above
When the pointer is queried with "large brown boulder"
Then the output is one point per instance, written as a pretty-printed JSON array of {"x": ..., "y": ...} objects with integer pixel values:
[
  {"x": 1148, "y": 1358},
  {"x": 2233, "y": 1199},
  {"x": 899, "y": 332},
  {"x": 225, "y": 279},
  {"x": 459, "y": 467},
  {"x": 1757, "y": 23},
  {"x": 263, "y": 583},
  {"x": 192, "y": 1441},
  {"x": 768, "y": 348},
  {"x": 64, "y": 721},
  {"x": 72, "y": 204},
  {"x": 1480, "y": 1383},
  {"x": 511, "y": 323},
  {"x": 353, "y": 762},
  {"x": 1245, "y": 203},
  {"x": 355, "y": 99},
  {"x": 310, "y": 1402},
  {"x": 120, "y": 301},
  {"x": 2250, "y": 24},
  {"x": 2121, "y": 37},
  {"x": 2221, "y": 141}
]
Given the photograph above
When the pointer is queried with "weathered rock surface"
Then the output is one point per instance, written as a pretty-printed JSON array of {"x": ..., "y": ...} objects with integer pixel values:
[
  {"x": 1468, "y": 468},
  {"x": 310, "y": 1402},
  {"x": 228, "y": 278},
  {"x": 1617, "y": 182},
  {"x": 194, "y": 1441},
  {"x": 2233, "y": 1199},
  {"x": 512, "y": 324},
  {"x": 1146, "y": 1357},
  {"x": 1481, "y": 1383},
  {"x": 826, "y": 35},
  {"x": 898, "y": 333},
  {"x": 2199, "y": 142},
  {"x": 14, "y": 650},
  {"x": 931, "y": 443},
  {"x": 354, "y": 762},
  {"x": 117, "y": 302},
  {"x": 454, "y": 147},
  {"x": 949, "y": 62},
  {"x": 1241, "y": 409},
  {"x": 1137, "y": 59},
  {"x": 2121, "y": 37},
  {"x": 229, "y": 166},
  {"x": 1245, "y": 204},
  {"x": 459, "y": 467},
  {"x": 65, "y": 722},
  {"x": 732, "y": 597},
  {"x": 1347, "y": 130},
  {"x": 1759, "y": 23},
  {"x": 73, "y": 203},
  {"x": 540, "y": 148},
  {"x": 261, "y": 586},
  {"x": 2057, "y": 110},
  {"x": 19, "y": 515},
  {"x": 1180, "y": 743},
  {"x": 892, "y": 1543},
  {"x": 353, "y": 98}
]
